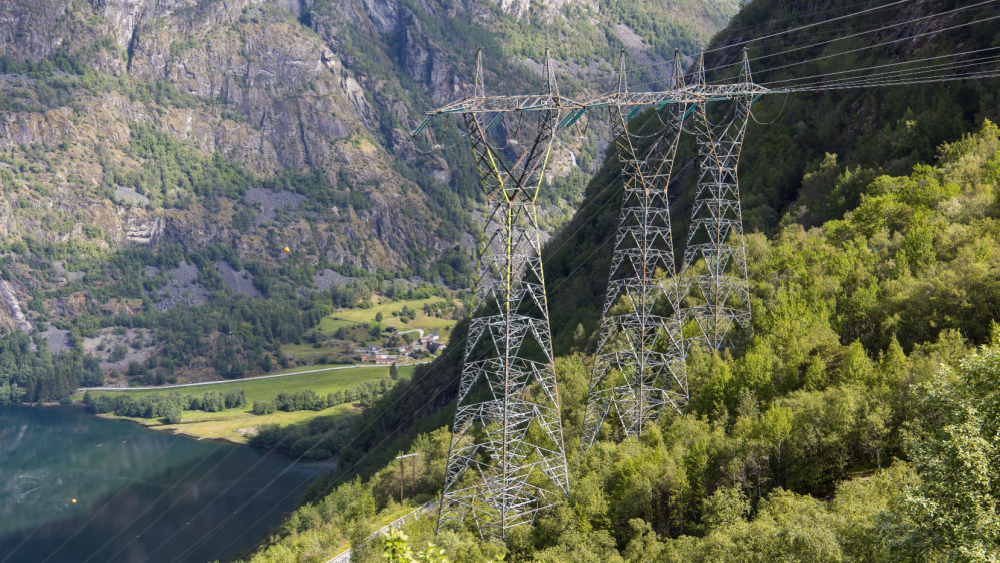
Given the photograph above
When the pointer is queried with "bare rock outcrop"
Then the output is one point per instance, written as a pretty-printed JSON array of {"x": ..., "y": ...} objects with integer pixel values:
[{"x": 13, "y": 307}]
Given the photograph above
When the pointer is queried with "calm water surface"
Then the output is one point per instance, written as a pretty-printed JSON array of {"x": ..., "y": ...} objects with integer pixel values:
[{"x": 142, "y": 496}]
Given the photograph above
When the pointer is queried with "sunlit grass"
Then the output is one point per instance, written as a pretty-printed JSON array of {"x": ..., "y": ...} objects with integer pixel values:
[
  {"x": 358, "y": 320},
  {"x": 258, "y": 389},
  {"x": 236, "y": 425}
]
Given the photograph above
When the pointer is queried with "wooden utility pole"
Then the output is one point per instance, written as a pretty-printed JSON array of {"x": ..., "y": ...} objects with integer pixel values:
[{"x": 413, "y": 482}]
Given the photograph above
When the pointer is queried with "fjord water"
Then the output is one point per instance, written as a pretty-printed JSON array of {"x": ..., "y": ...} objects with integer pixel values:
[{"x": 124, "y": 478}]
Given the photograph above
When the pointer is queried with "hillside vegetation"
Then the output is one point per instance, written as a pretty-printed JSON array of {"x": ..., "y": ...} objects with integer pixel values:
[
  {"x": 803, "y": 445},
  {"x": 809, "y": 156}
]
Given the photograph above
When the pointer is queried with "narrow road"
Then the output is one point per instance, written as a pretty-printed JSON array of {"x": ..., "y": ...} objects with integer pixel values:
[{"x": 85, "y": 389}]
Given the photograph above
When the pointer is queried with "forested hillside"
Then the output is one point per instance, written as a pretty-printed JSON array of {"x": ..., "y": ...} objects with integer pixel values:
[
  {"x": 856, "y": 421},
  {"x": 806, "y": 445},
  {"x": 807, "y": 156}
]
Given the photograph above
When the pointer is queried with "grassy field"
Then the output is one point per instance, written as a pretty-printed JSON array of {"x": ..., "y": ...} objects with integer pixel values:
[
  {"x": 235, "y": 424},
  {"x": 387, "y": 308},
  {"x": 263, "y": 389}
]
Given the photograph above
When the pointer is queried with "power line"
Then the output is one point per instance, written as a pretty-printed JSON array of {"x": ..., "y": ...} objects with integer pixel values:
[
  {"x": 775, "y": 82},
  {"x": 897, "y": 73},
  {"x": 231, "y": 484},
  {"x": 286, "y": 332},
  {"x": 914, "y": 20},
  {"x": 969, "y": 76},
  {"x": 819, "y": 43},
  {"x": 243, "y": 318},
  {"x": 772, "y": 69},
  {"x": 453, "y": 348},
  {"x": 107, "y": 504},
  {"x": 756, "y": 40},
  {"x": 260, "y": 490},
  {"x": 164, "y": 493},
  {"x": 847, "y": 82},
  {"x": 815, "y": 36},
  {"x": 217, "y": 497},
  {"x": 800, "y": 28},
  {"x": 799, "y": 17}
]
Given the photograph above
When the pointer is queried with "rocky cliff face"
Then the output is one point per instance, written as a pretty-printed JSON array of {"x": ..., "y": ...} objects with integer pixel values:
[{"x": 313, "y": 95}]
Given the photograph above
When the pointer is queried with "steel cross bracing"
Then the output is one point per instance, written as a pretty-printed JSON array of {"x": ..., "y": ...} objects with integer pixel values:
[
  {"x": 511, "y": 474},
  {"x": 715, "y": 266},
  {"x": 513, "y": 465},
  {"x": 639, "y": 365}
]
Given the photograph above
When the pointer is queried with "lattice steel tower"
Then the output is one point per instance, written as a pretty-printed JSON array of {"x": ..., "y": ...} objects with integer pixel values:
[
  {"x": 639, "y": 367},
  {"x": 715, "y": 265},
  {"x": 517, "y": 466}
]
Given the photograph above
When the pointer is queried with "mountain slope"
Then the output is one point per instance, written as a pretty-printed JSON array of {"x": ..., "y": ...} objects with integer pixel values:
[
  {"x": 808, "y": 156},
  {"x": 190, "y": 185}
]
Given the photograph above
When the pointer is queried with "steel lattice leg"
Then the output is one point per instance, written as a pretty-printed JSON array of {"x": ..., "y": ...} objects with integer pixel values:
[
  {"x": 639, "y": 366},
  {"x": 715, "y": 268},
  {"x": 508, "y": 387}
]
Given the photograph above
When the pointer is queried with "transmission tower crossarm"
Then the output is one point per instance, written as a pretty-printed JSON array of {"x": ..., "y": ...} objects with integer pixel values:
[
  {"x": 694, "y": 94},
  {"x": 491, "y": 104}
]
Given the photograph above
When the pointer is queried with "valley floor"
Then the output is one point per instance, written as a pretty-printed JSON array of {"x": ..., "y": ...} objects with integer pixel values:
[{"x": 238, "y": 425}]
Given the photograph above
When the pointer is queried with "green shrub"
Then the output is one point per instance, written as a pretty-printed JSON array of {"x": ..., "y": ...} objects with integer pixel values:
[{"x": 264, "y": 407}]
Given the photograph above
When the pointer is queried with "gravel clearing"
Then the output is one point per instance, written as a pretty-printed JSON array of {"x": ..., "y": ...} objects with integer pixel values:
[
  {"x": 270, "y": 202},
  {"x": 235, "y": 280},
  {"x": 181, "y": 289},
  {"x": 328, "y": 278},
  {"x": 58, "y": 339},
  {"x": 130, "y": 196},
  {"x": 112, "y": 340}
]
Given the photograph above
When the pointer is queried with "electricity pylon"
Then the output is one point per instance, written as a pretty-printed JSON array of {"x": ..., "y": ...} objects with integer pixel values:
[
  {"x": 639, "y": 367},
  {"x": 715, "y": 265},
  {"x": 513, "y": 465},
  {"x": 507, "y": 461}
]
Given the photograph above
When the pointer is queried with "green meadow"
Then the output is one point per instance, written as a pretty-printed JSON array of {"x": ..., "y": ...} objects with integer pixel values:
[
  {"x": 257, "y": 389},
  {"x": 235, "y": 424}
]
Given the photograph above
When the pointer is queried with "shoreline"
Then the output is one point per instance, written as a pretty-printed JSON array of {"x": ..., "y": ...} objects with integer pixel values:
[
  {"x": 233, "y": 427},
  {"x": 149, "y": 424},
  {"x": 179, "y": 385}
]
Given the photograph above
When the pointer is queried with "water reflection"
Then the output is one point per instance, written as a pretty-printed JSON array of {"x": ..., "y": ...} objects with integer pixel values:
[{"x": 123, "y": 478}]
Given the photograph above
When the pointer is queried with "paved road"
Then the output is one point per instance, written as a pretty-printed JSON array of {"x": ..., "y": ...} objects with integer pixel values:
[{"x": 85, "y": 389}]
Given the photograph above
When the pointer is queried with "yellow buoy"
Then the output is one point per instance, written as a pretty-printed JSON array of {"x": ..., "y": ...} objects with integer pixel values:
[
  {"x": 74, "y": 501},
  {"x": 287, "y": 249}
]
